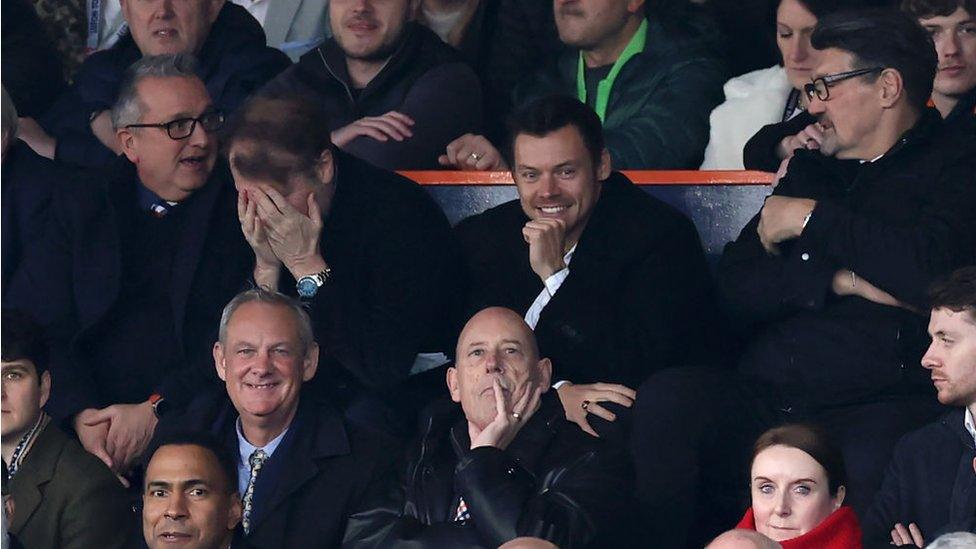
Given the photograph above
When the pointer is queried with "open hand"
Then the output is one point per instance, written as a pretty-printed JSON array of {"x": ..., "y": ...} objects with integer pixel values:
[
  {"x": 292, "y": 236},
  {"x": 573, "y": 396},
  {"x": 130, "y": 428},
  {"x": 392, "y": 125}
]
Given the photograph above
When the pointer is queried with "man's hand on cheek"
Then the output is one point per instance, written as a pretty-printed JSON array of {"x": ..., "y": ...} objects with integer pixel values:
[
  {"x": 292, "y": 235},
  {"x": 509, "y": 417}
]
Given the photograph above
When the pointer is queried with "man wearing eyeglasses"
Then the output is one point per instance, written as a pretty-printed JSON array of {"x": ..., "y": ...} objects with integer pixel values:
[
  {"x": 137, "y": 264},
  {"x": 827, "y": 281}
]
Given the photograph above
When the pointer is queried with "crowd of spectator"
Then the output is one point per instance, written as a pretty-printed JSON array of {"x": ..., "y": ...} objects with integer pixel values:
[{"x": 224, "y": 312}]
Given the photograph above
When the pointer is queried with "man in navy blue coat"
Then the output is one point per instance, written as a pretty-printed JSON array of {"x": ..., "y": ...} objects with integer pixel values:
[
  {"x": 229, "y": 43},
  {"x": 135, "y": 267},
  {"x": 930, "y": 486}
]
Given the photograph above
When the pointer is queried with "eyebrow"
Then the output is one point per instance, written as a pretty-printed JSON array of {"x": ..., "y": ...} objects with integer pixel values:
[
  {"x": 477, "y": 343},
  {"x": 809, "y": 480}
]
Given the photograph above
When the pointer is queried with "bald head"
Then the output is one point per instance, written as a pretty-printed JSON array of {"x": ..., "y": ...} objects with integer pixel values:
[
  {"x": 743, "y": 539},
  {"x": 497, "y": 320},
  {"x": 496, "y": 345}
]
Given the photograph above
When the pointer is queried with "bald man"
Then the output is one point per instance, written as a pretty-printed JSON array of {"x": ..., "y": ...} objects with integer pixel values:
[{"x": 499, "y": 460}]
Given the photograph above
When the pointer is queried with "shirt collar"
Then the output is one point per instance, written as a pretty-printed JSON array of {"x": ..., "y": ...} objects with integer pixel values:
[
  {"x": 147, "y": 199},
  {"x": 970, "y": 424},
  {"x": 246, "y": 448}
]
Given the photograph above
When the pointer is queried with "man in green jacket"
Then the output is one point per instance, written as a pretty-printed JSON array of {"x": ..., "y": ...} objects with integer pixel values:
[
  {"x": 653, "y": 86},
  {"x": 63, "y": 496}
]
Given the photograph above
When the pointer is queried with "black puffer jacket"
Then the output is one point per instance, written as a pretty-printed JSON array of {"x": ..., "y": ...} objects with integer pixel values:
[
  {"x": 234, "y": 61},
  {"x": 553, "y": 481}
]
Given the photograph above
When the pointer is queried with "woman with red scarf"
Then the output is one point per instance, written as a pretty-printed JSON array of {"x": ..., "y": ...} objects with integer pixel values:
[{"x": 797, "y": 485}]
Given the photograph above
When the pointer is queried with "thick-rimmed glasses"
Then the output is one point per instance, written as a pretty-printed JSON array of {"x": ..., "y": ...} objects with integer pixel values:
[
  {"x": 181, "y": 128},
  {"x": 820, "y": 87}
]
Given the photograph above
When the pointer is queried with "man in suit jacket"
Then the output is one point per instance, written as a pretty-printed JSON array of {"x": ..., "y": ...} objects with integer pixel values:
[
  {"x": 368, "y": 250},
  {"x": 131, "y": 277},
  {"x": 63, "y": 496},
  {"x": 930, "y": 485},
  {"x": 613, "y": 281},
  {"x": 301, "y": 469}
]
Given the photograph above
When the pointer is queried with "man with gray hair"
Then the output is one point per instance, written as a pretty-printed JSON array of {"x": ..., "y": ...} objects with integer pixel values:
[
  {"x": 234, "y": 61},
  {"x": 131, "y": 276},
  {"x": 301, "y": 469}
]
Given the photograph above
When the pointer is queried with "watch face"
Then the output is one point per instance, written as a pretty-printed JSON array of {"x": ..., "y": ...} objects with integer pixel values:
[{"x": 307, "y": 287}]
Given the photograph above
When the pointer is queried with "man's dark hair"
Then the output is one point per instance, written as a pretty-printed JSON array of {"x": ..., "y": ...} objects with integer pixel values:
[
  {"x": 23, "y": 339},
  {"x": 225, "y": 461},
  {"x": 957, "y": 292},
  {"x": 883, "y": 38},
  {"x": 554, "y": 112},
  {"x": 812, "y": 440},
  {"x": 286, "y": 134},
  {"x": 923, "y": 9}
]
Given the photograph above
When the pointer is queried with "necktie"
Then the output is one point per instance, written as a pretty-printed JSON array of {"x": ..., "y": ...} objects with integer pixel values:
[
  {"x": 256, "y": 460},
  {"x": 462, "y": 514}
]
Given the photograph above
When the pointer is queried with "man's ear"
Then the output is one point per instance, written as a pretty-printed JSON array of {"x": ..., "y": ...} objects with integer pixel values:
[
  {"x": 326, "y": 167},
  {"x": 545, "y": 374},
  {"x": 452, "y": 384},
  {"x": 892, "y": 87},
  {"x": 218, "y": 356},
  {"x": 45, "y": 382},
  {"x": 126, "y": 141},
  {"x": 311, "y": 363},
  {"x": 605, "y": 167}
]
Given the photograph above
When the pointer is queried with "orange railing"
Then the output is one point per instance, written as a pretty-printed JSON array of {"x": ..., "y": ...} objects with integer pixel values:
[{"x": 640, "y": 177}]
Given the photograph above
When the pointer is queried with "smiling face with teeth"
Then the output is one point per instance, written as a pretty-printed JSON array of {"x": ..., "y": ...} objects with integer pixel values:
[
  {"x": 171, "y": 168},
  {"x": 170, "y": 26},
  {"x": 556, "y": 178},
  {"x": 263, "y": 363}
]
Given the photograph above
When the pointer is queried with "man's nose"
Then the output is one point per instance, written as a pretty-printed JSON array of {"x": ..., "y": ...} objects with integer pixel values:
[
  {"x": 493, "y": 362},
  {"x": 949, "y": 45},
  {"x": 175, "y": 506},
  {"x": 930, "y": 359},
  {"x": 199, "y": 136},
  {"x": 165, "y": 10},
  {"x": 816, "y": 105},
  {"x": 548, "y": 186}
]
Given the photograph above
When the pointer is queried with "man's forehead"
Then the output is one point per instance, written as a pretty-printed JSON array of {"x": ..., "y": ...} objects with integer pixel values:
[
  {"x": 833, "y": 61},
  {"x": 561, "y": 146},
  {"x": 944, "y": 319},
  {"x": 179, "y": 463},
  {"x": 957, "y": 17},
  {"x": 495, "y": 326},
  {"x": 173, "y": 96},
  {"x": 21, "y": 363}
]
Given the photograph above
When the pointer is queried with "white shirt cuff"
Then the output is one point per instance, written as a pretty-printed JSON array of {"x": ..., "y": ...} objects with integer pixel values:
[
  {"x": 556, "y": 280},
  {"x": 559, "y": 384}
]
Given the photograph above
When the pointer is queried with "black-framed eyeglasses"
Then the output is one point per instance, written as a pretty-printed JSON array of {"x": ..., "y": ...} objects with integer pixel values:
[
  {"x": 181, "y": 128},
  {"x": 820, "y": 87}
]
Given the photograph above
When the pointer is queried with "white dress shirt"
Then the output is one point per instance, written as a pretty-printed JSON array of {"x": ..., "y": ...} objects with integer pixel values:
[
  {"x": 551, "y": 286},
  {"x": 970, "y": 424}
]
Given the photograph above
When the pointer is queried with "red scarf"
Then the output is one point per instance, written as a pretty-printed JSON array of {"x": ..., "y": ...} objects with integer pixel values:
[{"x": 838, "y": 531}]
